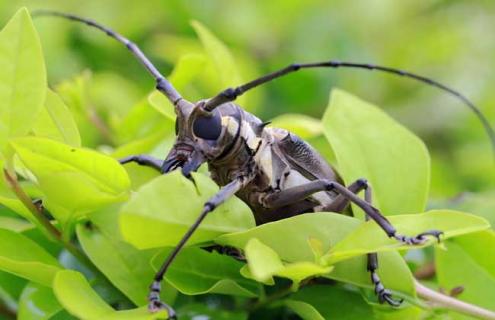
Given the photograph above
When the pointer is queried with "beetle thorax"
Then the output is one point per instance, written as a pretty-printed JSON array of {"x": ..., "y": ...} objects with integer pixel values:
[{"x": 246, "y": 142}]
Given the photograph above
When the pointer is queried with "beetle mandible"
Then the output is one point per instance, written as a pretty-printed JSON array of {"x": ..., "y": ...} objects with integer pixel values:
[{"x": 273, "y": 171}]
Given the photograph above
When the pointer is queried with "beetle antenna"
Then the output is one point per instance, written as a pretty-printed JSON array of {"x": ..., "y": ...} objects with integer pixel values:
[
  {"x": 231, "y": 94},
  {"x": 162, "y": 84}
]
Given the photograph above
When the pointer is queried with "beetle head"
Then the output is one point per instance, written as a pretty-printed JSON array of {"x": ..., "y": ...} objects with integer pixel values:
[{"x": 202, "y": 136}]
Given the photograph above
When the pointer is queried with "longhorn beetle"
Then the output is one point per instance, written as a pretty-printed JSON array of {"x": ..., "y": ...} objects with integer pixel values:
[{"x": 273, "y": 171}]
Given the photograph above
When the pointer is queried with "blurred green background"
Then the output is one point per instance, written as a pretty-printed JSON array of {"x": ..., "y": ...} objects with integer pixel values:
[{"x": 450, "y": 41}]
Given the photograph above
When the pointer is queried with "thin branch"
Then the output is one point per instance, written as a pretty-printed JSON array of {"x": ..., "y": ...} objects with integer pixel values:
[
  {"x": 24, "y": 198},
  {"x": 38, "y": 214},
  {"x": 425, "y": 272},
  {"x": 444, "y": 301},
  {"x": 7, "y": 312},
  {"x": 270, "y": 298},
  {"x": 100, "y": 125}
]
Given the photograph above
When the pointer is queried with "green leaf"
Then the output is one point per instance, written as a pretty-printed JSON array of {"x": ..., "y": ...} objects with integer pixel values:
[
  {"x": 480, "y": 203},
  {"x": 23, "y": 257},
  {"x": 369, "y": 144},
  {"x": 304, "y": 310},
  {"x": 369, "y": 237},
  {"x": 196, "y": 271},
  {"x": 75, "y": 93},
  {"x": 144, "y": 145},
  {"x": 393, "y": 271},
  {"x": 11, "y": 288},
  {"x": 304, "y": 126},
  {"x": 264, "y": 263},
  {"x": 222, "y": 58},
  {"x": 37, "y": 302},
  {"x": 23, "y": 77},
  {"x": 329, "y": 302},
  {"x": 45, "y": 240},
  {"x": 112, "y": 106},
  {"x": 160, "y": 212},
  {"x": 199, "y": 311},
  {"x": 187, "y": 69},
  {"x": 125, "y": 267},
  {"x": 333, "y": 302},
  {"x": 161, "y": 104},
  {"x": 469, "y": 261},
  {"x": 144, "y": 120},
  {"x": 8, "y": 199},
  {"x": 292, "y": 239},
  {"x": 76, "y": 295},
  {"x": 289, "y": 237},
  {"x": 14, "y": 224},
  {"x": 89, "y": 179},
  {"x": 410, "y": 312},
  {"x": 56, "y": 122}
]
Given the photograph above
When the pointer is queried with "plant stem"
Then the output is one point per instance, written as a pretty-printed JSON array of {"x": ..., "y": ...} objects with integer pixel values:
[
  {"x": 38, "y": 214},
  {"x": 444, "y": 301},
  {"x": 7, "y": 312},
  {"x": 270, "y": 298}
]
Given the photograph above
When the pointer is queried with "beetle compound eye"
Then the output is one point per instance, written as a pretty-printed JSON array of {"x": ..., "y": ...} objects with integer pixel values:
[{"x": 208, "y": 127}]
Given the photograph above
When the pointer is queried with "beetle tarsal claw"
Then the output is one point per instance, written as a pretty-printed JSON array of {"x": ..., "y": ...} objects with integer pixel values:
[
  {"x": 386, "y": 296},
  {"x": 420, "y": 238},
  {"x": 157, "y": 305}
]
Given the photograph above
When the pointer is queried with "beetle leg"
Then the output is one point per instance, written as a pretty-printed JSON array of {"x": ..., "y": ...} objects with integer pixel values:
[
  {"x": 294, "y": 194},
  {"x": 227, "y": 250},
  {"x": 346, "y": 195},
  {"x": 221, "y": 196},
  {"x": 384, "y": 295},
  {"x": 144, "y": 160},
  {"x": 340, "y": 202}
]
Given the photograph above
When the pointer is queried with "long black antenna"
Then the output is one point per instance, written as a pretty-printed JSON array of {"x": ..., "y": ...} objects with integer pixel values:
[
  {"x": 231, "y": 94},
  {"x": 162, "y": 84}
]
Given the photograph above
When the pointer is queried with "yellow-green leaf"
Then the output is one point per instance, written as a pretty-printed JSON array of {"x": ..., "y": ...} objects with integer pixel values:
[
  {"x": 23, "y": 257},
  {"x": 369, "y": 237},
  {"x": 369, "y": 144},
  {"x": 196, "y": 271},
  {"x": 160, "y": 212},
  {"x": 76, "y": 295},
  {"x": 56, "y": 122},
  {"x": 289, "y": 239},
  {"x": 222, "y": 58},
  {"x": 469, "y": 261},
  {"x": 187, "y": 69},
  {"x": 264, "y": 263},
  {"x": 88, "y": 179},
  {"x": 22, "y": 77},
  {"x": 302, "y": 125}
]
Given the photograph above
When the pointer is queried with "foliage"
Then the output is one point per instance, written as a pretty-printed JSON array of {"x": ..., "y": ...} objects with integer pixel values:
[{"x": 123, "y": 221}]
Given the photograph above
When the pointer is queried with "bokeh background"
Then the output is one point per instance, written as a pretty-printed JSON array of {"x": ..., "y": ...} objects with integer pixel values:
[{"x": 450, "y": 41}]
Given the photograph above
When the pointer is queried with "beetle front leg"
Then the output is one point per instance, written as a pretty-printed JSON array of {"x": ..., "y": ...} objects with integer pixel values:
[
  {"x": 144, "y": 160},
  {"x": 227, "y": 191}
]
